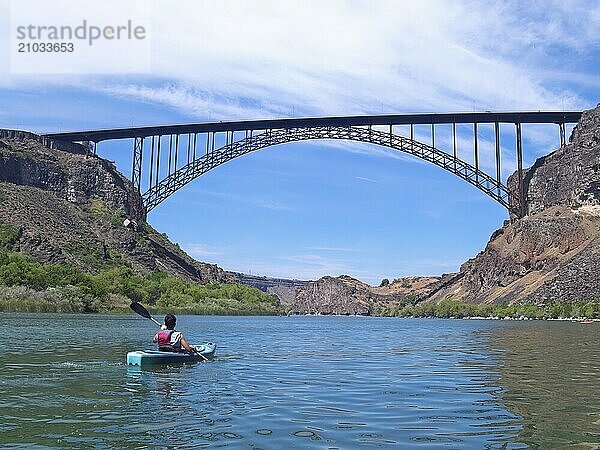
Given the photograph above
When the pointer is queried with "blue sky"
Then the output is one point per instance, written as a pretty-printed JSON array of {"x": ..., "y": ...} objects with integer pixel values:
[{"x": 304, "y": 210}]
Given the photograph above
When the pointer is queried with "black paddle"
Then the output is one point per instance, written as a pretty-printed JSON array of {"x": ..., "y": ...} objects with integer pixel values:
[{"x": 139, "y": 309}]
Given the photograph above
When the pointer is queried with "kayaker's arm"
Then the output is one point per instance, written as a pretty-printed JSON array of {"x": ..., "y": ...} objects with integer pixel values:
[{"x": 186, "y": 346}]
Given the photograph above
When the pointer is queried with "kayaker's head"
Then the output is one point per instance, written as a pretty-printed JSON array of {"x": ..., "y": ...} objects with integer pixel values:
[{"x": 170, "y": 321}]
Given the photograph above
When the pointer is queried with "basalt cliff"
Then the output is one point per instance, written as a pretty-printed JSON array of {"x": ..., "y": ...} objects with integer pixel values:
[
  {"x": 345, "y": 295},
  {"x": 70, "y": 206}
]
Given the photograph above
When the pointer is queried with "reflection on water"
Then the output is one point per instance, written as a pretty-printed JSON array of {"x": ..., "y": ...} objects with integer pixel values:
[
  {"x": 301, "y": 382},
  {"x": 551, "y": 373}
]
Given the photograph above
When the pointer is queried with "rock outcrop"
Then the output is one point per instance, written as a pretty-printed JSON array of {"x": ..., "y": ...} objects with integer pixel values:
[
  {"x": 552, "y": 254},
  {"x": 329, "y": 295},
  {"x": 345, "y": 295},
  {"x": 70, "y": 207},
  {"x": 528, "y": 260},
  {"x": 70, "y": 176},
  {"x": 569, "y": 176}
]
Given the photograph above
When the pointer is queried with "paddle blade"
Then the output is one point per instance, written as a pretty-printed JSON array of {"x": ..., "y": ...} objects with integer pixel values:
[{"x": 137, "y": 308}]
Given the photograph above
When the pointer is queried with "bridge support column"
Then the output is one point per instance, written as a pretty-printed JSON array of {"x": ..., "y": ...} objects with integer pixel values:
[
  {"x": 90, "y": 148},
  {"x": 136, "y": 171},
  {"x": 476, "y": 151},
  {"x": 157, "y": 172},
  {"x": 498, "y": 155},
  {"x": 170, "y": 155},
  {"x": 454, "y": 149},
  {"x": 194, "y": 145},
  {"x": 151, "y": 162},
  {"x": 176, "y": 152},
  {"x": 562, "y": 132},
  {"x": 521, "y": 187},
  {"x": 137, "y": 211},
  {"x": 189, "y": 146}
]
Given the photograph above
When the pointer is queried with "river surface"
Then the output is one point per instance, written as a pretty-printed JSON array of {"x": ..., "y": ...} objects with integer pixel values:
[{"x": 302, "y": 382}]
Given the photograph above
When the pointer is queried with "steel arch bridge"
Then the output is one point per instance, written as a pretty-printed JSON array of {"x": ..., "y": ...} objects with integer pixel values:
[
  {"x": 187, "y": 160},
  {"x": 179, "y": 178}
]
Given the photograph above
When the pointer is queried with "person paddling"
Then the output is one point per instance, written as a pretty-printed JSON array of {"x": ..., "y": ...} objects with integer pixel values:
[{"x": 169, "y": 340}]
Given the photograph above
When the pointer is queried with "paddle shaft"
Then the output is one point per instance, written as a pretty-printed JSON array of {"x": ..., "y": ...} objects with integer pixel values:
[
  {"x": 155, "y": 321},
  {"x": 200, "y": 354}
]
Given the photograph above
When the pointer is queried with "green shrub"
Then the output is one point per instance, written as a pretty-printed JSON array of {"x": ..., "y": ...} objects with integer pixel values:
[
  {"x": 458, "y": 309},
  {"x": 117, "y": 217},
  {"x": 58, "y": 287},
  {"x": 8, "y": 235}
]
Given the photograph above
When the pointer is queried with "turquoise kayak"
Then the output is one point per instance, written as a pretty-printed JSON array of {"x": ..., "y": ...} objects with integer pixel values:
[{"x": 154, "y": 357}]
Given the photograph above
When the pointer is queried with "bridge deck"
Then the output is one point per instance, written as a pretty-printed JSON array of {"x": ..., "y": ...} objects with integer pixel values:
[{"x": 557, "y": 117}]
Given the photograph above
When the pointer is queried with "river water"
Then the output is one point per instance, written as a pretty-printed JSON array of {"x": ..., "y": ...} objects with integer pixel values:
[{"x": 302, "y": 382}]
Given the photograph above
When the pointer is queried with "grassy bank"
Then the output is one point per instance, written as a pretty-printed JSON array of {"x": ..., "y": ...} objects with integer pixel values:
[
  {"x": 458, "y": 309},
  {"x": 29, "y": 286}
]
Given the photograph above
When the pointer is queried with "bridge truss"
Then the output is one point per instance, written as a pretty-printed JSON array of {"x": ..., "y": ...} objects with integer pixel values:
[{"x": 193, "y": 150}]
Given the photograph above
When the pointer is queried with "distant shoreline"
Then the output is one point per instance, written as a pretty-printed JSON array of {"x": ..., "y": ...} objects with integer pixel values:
[{"x": 120, "y": 312}]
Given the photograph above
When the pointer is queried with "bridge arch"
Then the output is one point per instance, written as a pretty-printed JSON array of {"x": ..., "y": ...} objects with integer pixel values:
[{"x": 491, "y": 186}]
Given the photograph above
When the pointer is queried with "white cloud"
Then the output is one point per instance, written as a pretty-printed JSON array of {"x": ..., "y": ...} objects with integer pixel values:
[
  {"x": 368, "y": 180},
  {"x": 231, "y": 196},
  {"x": 537, "y": 27},
  {"x": 200, "y": 251},
  {"x": 274, "y": 206},
  {"x": 361, "y": 148},
  {"x": 238, "y": 59},
  {"x": 333, "y": 249}
]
